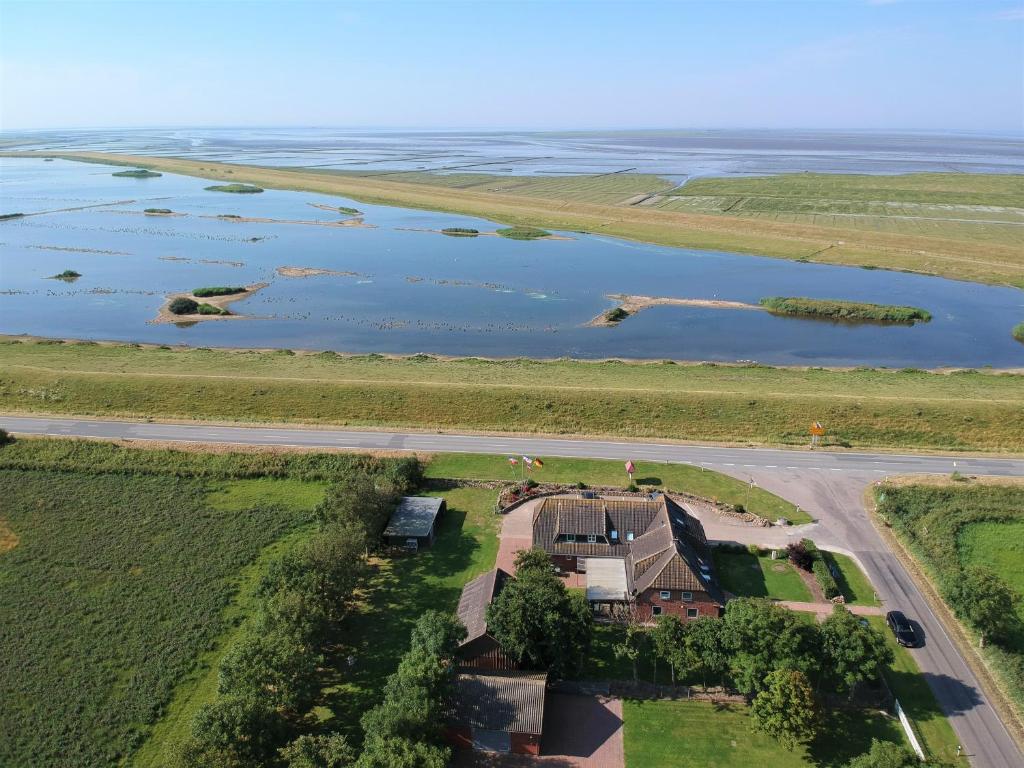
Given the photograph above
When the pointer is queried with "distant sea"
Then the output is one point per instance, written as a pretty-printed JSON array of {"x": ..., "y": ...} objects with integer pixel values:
[{"x": 677, "y": 154}]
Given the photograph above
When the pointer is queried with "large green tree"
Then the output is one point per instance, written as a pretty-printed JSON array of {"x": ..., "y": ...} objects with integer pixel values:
[
  {"x": 540, "y": 623},
  {"x": 979, "y": 596},
  {"x": 786, "y": 710},
  {"x": 323, "y": 751},
  {"x": 669, "y": 643},
  {"x": 707, "y": 648},
  {"x": 275, "y": 666},
  {"x": 853, "y": 652},
  {"x": 233, "y": 731},
  {"x": 885, "y": 754},
  {"x": 762, "y": 637}
]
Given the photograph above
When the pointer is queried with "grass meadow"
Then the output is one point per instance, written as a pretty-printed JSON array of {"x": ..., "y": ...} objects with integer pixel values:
[{"x": 972, "y": 410}]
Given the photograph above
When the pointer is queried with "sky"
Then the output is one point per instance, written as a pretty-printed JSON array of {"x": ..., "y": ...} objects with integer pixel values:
[{"x": 835, "y": 64}]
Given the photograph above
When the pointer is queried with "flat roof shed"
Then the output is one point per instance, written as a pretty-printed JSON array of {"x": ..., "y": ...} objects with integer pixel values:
[
  {"x": 606, "y": 580},
  {"x": 414, "y": 519}
]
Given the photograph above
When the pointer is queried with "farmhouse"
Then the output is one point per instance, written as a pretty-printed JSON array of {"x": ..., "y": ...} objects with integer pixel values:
[
  {"x": 480, "y": 649},
  {"x": 498, "y": 711},
  {"x": 647, "y": 552},
  {"x": 414, "y": 522}
]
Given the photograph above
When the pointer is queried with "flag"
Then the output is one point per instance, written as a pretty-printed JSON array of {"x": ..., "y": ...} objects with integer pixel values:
[
  {"x": 527, "y": 461},
  {"x": 513, "y": 460},
  {"x": 538, "y": 463}
]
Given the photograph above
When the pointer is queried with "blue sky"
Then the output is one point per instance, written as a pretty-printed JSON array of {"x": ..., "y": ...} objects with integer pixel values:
[{"x": 845, "y": 64}]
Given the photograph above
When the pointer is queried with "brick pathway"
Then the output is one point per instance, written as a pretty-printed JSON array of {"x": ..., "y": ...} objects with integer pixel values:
[{"x": 824, "y": 610}]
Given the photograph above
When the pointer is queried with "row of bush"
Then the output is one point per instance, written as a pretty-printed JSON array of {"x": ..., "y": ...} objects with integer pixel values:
[
  {"x": 94, "y": 457},
  {"x": 272, "y": 675},
  {"x": 186, "y": 306},
  {"x": 850, "y": 311},
  {"x": 218, "y": 290}
]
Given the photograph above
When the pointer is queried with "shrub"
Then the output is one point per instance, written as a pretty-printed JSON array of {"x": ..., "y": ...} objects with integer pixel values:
[
  {"x": 849, "y": 311},
  {"x": 460, "y": 232},
  {"x": 823, "y": 575},
  {"x": 753, "y": 549},
  {"x": 798, "y": 555},
  {"x": 616, "y": 315},
  {"x": 183, "y": 306},
  {"x": 5, "y": 216},
  {"x": 6, "y": 438},
  {"x": 1018, "y": 332},
  {"x": 158, "y": 210},
  {"x": 522, "y": 233},
  {"x": 67, "y": 274},
  {"x": 218, "y": 290},
  {"x": 209, "y": 309},
  {"x": 632, "y": 488},
  {"x": 139, "y": 173},
  {"x": 240, "y": 189}
]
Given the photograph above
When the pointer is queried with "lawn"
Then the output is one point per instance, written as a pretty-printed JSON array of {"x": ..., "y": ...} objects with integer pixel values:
[
  {"x": 675, "y": 477},
  {"x": 853, "y": 584},
  {"x": 918, "y": 701},
  {"x": 695, "y": 734},
  {"x": 399, "y": 591},
  {"x": 117, "y": 585},
  {"x": 990, "y": 253},
  {"x": 747, "y": 576},
  {"x": 656, "y": 400},
  {"x": 292, "y": 494}
]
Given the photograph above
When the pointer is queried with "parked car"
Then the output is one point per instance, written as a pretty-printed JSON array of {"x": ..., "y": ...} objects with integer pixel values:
[{"x": 900, "y": 625}]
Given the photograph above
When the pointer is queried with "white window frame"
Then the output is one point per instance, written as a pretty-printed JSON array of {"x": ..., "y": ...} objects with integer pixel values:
[
  {"x": 591, "y": 538},
  {"x": 687, "y": 597},
  {"x": 656, "y": 610},
  {"x": 615, "y": 535},
  {"x": 570, "y": 537},
  {"x": 692, "y": 613},
  {"x": 629, "y": 535},
  {"x": 665, "y": 594}
]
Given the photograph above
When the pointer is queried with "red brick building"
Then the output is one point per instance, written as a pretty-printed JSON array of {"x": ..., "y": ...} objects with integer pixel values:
[
  {"x": 498, "y": 711},
  {"x": 479, "y": 649},
  {"x": 647, "y": 552}
]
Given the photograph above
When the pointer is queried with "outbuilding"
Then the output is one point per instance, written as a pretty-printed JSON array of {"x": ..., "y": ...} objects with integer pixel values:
[
  {"x": 498, "y": 711},
  {"x": 414, "y": 522}
]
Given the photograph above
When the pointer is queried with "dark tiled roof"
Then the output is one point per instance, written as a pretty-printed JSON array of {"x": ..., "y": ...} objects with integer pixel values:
[
  {"x": 414, "y": 516},
  {"x": 510, "y": 701},
  {"x": 476, "y": 596},
  {"x": 665, "y": 552}
]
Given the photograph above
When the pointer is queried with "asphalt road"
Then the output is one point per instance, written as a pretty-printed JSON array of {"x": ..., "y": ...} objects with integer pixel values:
[{"x": 830, "y": 486}]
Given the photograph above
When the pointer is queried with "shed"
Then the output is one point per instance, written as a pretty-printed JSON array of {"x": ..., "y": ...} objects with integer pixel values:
[
  {"x": 480, "y": 649},
  {"x": 498, "y": 712},
  {"x": 414, "y": 522}
]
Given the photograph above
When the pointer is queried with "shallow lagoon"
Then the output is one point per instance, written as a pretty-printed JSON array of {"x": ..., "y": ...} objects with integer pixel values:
[{"x": 419, "y": 291}]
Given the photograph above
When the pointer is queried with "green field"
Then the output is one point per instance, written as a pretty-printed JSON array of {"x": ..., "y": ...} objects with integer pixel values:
[
  {"x": 852, "y": 582},
  {"x": 675, "y": 477},
  {"x": 931, "y": 223},
  {"x": 696, "y": 734},
  {"x": 747, "y": 576},
  {"x": 979, "y": 411},
  {"x": 952, "y": 525},
  {"x": 117, "y": 585}
]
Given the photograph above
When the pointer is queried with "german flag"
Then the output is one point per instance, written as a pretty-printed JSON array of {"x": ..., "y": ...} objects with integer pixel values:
[{"x": 538, "y": 463}]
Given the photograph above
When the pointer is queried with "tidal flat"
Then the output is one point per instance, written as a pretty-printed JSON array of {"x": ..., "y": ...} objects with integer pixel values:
[{"x": 483, "y": 296}]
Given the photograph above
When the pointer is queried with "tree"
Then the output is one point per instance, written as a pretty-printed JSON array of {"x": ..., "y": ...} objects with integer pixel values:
[
  {"x": 327, "y": 751},
  {"x": 668, "y": 640},
  {"x": 706, "y": 646},
  {"x": 533, "y": 559},
  {"x": 539, "y": 623},
  {"x": 986, "y": 602},
  {"x": 6, "y": 438},
  {"x": 401, "y": 753},
  {"x": 885, "y": 754},
  {"x": 438, "y": 633},
  {"x": 274, "y": 666},
  {"x": 356, "y": 499},
  {"x": 854, "y": 652},
  {"x": 786, "y": 710},
  {"x": 237, "y": 730},
  {"x": 632, "y": 645},
  {"x": 761, "y": 637}
]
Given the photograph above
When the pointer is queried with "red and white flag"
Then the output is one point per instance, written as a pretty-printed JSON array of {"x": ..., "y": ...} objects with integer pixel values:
[{"x": 513, "y": 460}]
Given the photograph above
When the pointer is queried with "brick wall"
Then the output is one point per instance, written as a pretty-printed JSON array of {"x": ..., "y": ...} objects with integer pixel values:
[{"x": 674, "y": 606}]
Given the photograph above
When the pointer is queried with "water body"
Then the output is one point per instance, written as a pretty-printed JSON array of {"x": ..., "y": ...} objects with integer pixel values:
[
  {"x": 675, "y": 154},
  {"x": 417, "y": 291}
]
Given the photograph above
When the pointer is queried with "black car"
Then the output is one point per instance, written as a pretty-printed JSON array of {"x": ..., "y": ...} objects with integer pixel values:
[{"x": 900, "y": 625}]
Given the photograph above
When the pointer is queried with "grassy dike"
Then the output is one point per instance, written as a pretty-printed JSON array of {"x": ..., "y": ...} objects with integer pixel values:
[
  {"x": 601, "y": 205},
  {"x": 909, "y": 409}
]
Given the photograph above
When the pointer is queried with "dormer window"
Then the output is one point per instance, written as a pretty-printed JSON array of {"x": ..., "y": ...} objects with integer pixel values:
[
  {"x": 629, "y": 535},
  {"x": 591, "y": 538},
  {"x": 570, "y": 537},
  {"x": 615, "y": 535}
]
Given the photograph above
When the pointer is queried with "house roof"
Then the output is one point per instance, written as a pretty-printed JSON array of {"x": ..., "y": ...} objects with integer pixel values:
[
  {"x": 665, "y": 551},
  {"x": 509, "y": 701},
  {"x": 414, "y": 516},
  {"x": 606, "y": 579},
  {"x": 476, "y": 596}
]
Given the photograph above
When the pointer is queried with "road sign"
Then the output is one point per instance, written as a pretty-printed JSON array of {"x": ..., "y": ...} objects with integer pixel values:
[
  {"x": 630, "y": 469},
  {"x": 817, "y": 430}
]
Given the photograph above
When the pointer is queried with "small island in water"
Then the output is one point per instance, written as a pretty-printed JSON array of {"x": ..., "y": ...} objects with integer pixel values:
[
  {"x": 460, "y": 232},
  {"x": 138, "y": 173},
  {"x": 522, "y": 233},
  {"x": 68, "y": 276},
  {"x": 845, "y": 311},
  {"x": 7, "y": 216},
  {"x": 238, "y": 189},
  {"x": 158, "y": 211}
]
